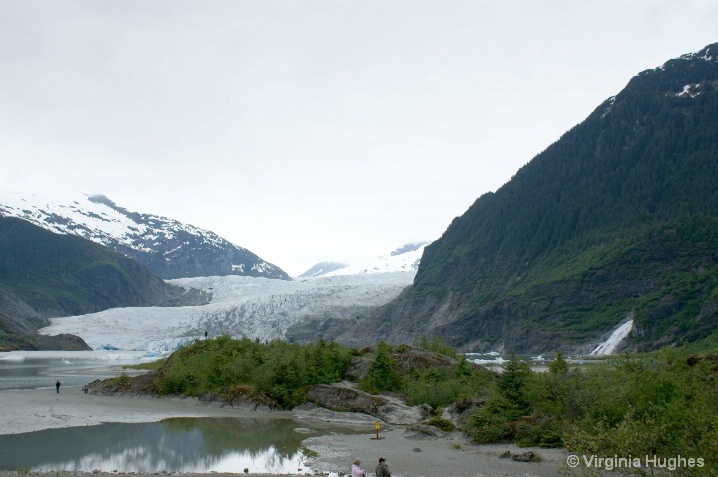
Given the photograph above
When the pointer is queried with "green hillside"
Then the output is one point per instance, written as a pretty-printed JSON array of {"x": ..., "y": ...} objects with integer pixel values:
[
  {"x": 43, "y": 274},
  {"x": 61, "y": 275},
  {"x": 617, "y": 217}
]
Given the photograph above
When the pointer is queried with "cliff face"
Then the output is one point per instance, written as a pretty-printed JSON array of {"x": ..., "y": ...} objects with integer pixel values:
[{"x": 618, "y": 216}]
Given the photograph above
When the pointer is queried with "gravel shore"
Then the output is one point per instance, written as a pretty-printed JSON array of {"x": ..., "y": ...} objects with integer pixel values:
[{"x": 452, "y": 456}]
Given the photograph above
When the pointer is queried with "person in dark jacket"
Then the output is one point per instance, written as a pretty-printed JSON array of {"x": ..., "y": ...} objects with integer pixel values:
[
  {"x": 57, "y": 386},
  {"x": 382, "y": 470}
]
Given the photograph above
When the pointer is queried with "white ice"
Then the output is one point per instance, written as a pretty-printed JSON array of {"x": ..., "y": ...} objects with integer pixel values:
[
  {"x": 256, "y": 308},
  {"x": 404, "y": 262}
]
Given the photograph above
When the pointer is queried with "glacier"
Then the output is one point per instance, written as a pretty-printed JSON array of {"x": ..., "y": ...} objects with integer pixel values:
[{"x": 242, "y": 307}]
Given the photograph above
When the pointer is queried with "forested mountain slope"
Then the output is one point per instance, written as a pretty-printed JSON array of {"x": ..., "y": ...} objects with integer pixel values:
[
  {"x": 616, "y": 218},
  {"x": 43, "y": 274}
]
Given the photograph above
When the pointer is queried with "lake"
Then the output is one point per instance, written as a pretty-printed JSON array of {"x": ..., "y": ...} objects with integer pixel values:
[
  {"x": 172, "y": 445},
  {"x": 39, "y": 369},
  {"x": 271, "y": 445}
]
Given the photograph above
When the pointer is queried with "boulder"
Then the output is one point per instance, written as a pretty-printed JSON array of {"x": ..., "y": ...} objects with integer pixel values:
[
  {"x": 460, "y": 411},
  {"x": 346, "y": 397},
  {"x": 423, "y": 431},
  {"x": 524, "y": 457}
]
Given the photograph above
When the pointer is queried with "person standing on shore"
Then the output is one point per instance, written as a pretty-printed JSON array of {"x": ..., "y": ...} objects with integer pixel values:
[
  {"x": 357, "y": 471},
  {"x": 382, "y": 470},
  {"x": 57, "y": 386}
]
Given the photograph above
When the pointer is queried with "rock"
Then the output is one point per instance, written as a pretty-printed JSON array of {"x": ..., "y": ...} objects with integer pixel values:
[
  {"x": 345, "y": 397},
  {"x": 416, "y": 449},
  {"x": 505, "y": 455},
  {"x": 423, "y": 431},
  {"x": 359, "y": 368},
  {"x": 524, "y": 457},
  {"x": 460, "y": 411},
  {"x": 415, "y": 358},
  {"x": 326, "y": 415},
  {"x": 426, "y": 410}
]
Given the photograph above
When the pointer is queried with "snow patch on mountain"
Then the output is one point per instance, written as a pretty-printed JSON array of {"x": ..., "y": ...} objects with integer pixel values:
[
  {"x": 405, "y": 258},
  {"x": 169, "y": 248},
  {"x": 322, "y": 268},
  {"x": 255, "y": 308}
]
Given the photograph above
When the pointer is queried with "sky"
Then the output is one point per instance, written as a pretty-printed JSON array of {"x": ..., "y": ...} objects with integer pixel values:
[{"x": 312, "y": 130}]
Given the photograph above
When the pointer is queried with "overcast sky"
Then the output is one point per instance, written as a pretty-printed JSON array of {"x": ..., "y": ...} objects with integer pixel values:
[{"x": 312, "y": 130}]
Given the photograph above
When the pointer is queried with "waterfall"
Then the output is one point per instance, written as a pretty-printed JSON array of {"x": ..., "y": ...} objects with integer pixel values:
[{"x": 618, "y": 335}]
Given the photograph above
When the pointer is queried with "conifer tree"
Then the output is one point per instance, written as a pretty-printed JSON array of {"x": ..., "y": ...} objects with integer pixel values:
[
  {"x": 382, "y": 375},
  {"x": 513, "y": 381},
  {"x": 558, "y": 365}
]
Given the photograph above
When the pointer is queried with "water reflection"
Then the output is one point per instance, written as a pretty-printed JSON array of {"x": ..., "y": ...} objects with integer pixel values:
[{"x": 173, "y": 445}]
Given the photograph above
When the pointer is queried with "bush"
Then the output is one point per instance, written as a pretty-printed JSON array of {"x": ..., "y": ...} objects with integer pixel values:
[
  {"x": 382, "y": 374},
  {"x": 444, "y": 386},
  {"x": 435, "y": 344},
  {"x": 443, "y": 424},
  {"x": 279, "y": 370},
  {"x": 495, "y": 421}
]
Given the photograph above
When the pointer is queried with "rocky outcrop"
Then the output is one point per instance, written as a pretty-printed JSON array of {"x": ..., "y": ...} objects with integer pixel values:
[
  {"x": 407, "y": 358},
  {"x": 423, "y": 431},
  {"x": 346, "y": 397},
  {"x": 460, "y": 411},
  {"x": 309, "y": 411}
]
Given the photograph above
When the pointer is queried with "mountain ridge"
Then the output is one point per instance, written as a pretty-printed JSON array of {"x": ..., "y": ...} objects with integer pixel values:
[
  {"x": 525, "y": 265},
  {"x": 169, "y": 248}
]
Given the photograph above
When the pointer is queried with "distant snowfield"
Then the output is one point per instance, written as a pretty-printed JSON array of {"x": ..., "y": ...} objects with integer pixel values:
[
  {"x": 256, "y": 308},
  {"x": 404, "y": 259}
]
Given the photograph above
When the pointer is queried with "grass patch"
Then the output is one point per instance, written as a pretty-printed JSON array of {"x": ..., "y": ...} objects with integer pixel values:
[{"x": 151, "y": 366}]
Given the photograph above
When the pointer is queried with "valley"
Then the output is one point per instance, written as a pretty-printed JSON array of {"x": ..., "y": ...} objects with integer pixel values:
[{"x": 255, "y": 308}]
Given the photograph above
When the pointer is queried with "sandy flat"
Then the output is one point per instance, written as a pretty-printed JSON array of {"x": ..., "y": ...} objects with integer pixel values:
[{"x": 453, "y": 456}]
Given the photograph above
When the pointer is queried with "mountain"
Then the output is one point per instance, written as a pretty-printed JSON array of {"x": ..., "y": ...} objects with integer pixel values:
[
  {"x": 43, "y": 274},
  {"x": 616, "y": 220},
  {"x": 402, "y": 259},
  {"x": 168, "y": 248},
  {"x": 322, "y": 268},
  {"x": 19, "y": 324}
]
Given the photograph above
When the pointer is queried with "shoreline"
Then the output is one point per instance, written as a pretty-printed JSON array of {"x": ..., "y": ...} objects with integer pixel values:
[{"x": 454, "y": 455}]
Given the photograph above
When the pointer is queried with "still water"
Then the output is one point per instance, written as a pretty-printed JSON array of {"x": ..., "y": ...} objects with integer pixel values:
[
  {"x": 270, "y": 445},
  {"x": 38, "y": 369},
  {"x": 172, "y": 445}
]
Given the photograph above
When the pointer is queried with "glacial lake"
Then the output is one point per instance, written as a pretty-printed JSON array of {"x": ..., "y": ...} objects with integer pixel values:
[
  {"x": 172, "y": 445},
  {"x": 40, "y": 369},
  {"x": 201, "y": 445}
]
